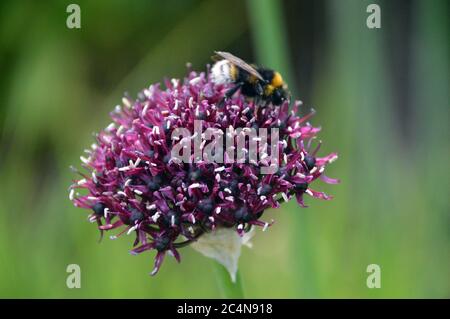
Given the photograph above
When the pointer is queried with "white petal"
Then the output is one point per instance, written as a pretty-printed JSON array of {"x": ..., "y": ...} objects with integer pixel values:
[{"x": 224, "y": 245}]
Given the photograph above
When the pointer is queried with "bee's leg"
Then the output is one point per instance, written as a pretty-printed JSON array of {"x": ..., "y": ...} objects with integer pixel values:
[
  {"x": 256, "y": 102},
  {"x": 259, "y": 96},
  {"x": 233, "y": 90},
  {"x": 230, "y": 93},
  {"x": 259, "y": 89}
]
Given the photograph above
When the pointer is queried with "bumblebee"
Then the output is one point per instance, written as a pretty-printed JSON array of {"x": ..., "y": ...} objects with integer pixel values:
[{"x": 253, "y": 81}]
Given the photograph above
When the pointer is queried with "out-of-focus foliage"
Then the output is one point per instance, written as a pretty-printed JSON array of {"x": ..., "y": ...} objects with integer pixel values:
[{"x": 382, "y": 98}]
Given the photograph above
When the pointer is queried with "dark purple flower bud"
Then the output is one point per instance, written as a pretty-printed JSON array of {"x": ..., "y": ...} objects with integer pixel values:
[
  {"x": 98, "y": 209},
  {"x": 310, "y": 161},
  {"x": 242, "y": 214},
  {"x": 162, "y": 243},
  {"x": 265, "y": 189},
  {"x": 301, "y": 187},
  {"x": 136, "y": 216},
  {"x": 206, "y": 206}
]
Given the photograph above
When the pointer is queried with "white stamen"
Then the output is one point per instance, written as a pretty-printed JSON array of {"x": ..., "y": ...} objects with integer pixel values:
[
  {"x": 84, "y": 160},
  {"x": 120, "y": 130},
  {"x": 218, "y": 209},
  {"x": 110, "y": 127},
  {"x": 132, "y": 229},
  {"x": 71, "y": 194},
  {"x": 309, "y": 192},
  {"x": 155, "y": 217},
  {"x": 180, "y": 202},
  {"x": 313, "y": 170},
  {"x": 265, "y": 226},
  {"x": 285, "y": 197},
  {"x": 172, "y": 220},
  {"x": 94, "y": 177},
  {"x": 219, "y": 169},
  {"x": 331, "y": 160},
  {"x": 144, "y": 111},
  {"x": 195, "y": 80},
  {"x": 105, "y": 212},
  {"x": 127, "y": 182},
  {"x": 126, "y": 102},
  {"x": 138, "y": 161}
]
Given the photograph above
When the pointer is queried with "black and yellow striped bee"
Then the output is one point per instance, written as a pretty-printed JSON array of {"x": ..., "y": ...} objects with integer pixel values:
[{"x": 253, "y": 81}]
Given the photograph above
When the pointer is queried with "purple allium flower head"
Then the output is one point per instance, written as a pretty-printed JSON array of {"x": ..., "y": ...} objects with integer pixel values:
[{"x": 132, "y": 185}]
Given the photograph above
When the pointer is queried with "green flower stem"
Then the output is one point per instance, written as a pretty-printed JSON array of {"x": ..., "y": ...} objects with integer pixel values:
[
  {"x": 229, "y": 289},
  {"x": 270, "y": 37},
  {"x": 272, "y": 49}
]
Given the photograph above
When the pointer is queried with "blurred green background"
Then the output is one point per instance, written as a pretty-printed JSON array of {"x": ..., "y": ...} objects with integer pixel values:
[{"x": 381, "y": 95}]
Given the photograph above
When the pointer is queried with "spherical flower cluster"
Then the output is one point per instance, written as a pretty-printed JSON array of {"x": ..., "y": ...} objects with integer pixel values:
[{"x": 132, "y": 183}]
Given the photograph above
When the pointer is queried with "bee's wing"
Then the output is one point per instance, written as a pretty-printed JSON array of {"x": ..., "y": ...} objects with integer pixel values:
[{"x": 239, "y": 63}]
